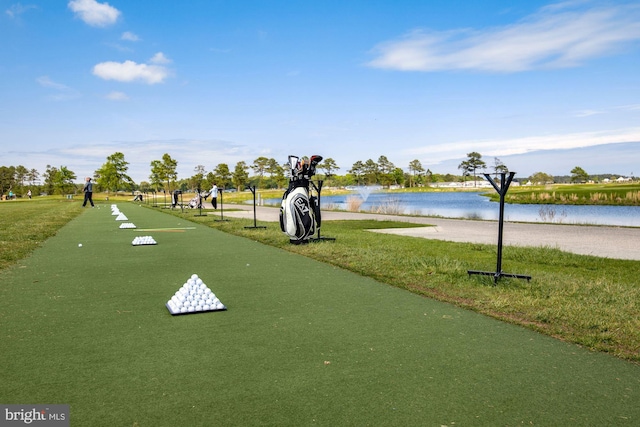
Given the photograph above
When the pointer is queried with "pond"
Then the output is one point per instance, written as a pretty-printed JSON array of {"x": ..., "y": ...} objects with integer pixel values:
[{"x": 472, "y": 205}]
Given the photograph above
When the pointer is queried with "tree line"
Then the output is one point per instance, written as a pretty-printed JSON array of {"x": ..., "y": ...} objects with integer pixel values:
[{"x": 265, "y": 173}]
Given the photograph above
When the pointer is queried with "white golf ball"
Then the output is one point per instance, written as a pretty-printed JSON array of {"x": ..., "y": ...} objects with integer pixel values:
[
  {"x": 194, "y": 276},
  {"x": 206, "y": 307},
  {"x": 183, "y": 309},
  {"x": 191, "y": 309},
  {"x": 79, "y": 245},
  {"x": 219, "y": 306}
]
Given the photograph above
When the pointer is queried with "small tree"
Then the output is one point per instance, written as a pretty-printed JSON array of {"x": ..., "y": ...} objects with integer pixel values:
[
  {"x": 197, "y": 181},
  {"x": 499, "y": 167},
  {"x": 7, "y": 178},
  {"x": 541, "y": 178},
  {"x": 222, "y": 176},
  {"x": 371, "y": 171},
  {"x": 472, "y": 164},
  {"x": 276, "y": 173},
  {"x": 240, "y": 176},
  {"x": 164, "y": 171},
  {"x": 64, "y": 180},
  {"x": 21, "y": 175},
  {"x": 259, "y": 168},
  {"x": 357, "y": 170},
  {"x": 328, "y": 166},
  {"x": 386, "y": 168},
  {"x": 112, "y": 174},
  {"x": 415, "y": 168},
  {"x": 33, "y": 176},
  {"x": 50, "y": 176},
  {"x": 579, "y": 175}
]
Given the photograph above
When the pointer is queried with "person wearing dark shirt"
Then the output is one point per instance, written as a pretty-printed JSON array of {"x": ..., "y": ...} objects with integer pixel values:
[{"x": 88, "y": 192}]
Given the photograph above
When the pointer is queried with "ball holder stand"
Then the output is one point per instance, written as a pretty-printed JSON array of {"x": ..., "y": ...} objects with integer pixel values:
[
  {"x": 253, "y": 190},
  {"x": 164, "y": 204},
  {"x": 502, "y": 191},
  {"x": 318, "y": 189},
  {"x": 221, "y": 191}
]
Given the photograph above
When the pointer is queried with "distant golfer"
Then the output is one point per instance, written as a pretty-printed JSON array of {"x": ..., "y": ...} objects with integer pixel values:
[
  {"x": 214, "y": 196},
  {"x": 88, "y": 192}
]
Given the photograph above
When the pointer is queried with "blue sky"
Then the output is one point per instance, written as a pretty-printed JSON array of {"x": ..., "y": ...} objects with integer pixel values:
[{"x": 537, "y": 84}]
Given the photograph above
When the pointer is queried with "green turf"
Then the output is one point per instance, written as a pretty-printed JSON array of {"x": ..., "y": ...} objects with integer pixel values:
[{"x": 302, "y": 343}]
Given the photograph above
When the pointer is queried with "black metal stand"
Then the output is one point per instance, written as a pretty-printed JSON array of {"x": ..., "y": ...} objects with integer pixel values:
[
  {"x": 155, "y": 199},
  {"x": 502, "y": 191},
  {"x": 181, "y": 203},
  {"x": 164, "y": 206},
  {"x": 253, "y": 190},
  {"x": 220, "y": 190},
  {"x": 199, "y": 204},
  {"x": 318, "y": 189}
]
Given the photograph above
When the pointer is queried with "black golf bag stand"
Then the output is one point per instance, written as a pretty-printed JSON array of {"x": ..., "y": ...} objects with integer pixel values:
[{"x": 300, "y": 212}]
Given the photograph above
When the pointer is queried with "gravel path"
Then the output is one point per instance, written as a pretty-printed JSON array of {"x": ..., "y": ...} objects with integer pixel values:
[{"x": 602, "y": 241}]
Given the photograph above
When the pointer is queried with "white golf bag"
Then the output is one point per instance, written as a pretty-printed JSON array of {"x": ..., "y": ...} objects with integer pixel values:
[{"x": 299, "y": 212}]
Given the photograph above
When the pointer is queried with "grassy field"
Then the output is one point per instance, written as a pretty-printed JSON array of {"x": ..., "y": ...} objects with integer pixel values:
[
  {"x": 587, "y": 300},
  {"x": 581, "y": 299},
  {"x": 27, "y": 224},
  {"x": 303, "y": 342},
  {"x": 627, "y": 194}
]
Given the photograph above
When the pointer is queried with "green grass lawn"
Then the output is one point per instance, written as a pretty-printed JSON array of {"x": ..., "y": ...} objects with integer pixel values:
[
  {"x": 627, "y": 194},
  {"x": 587, "y": 300},
  {"x": 302, "y": 343}
]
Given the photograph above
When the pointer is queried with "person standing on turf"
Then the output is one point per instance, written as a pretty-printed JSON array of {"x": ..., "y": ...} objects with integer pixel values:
[
  {"x": 214, "y": 196},
  {"x": 88, "y": 192}
]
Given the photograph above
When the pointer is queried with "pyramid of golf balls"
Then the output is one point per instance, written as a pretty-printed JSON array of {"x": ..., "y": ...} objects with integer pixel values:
[
  {"x": 127, "y": 225},
  {"x": 144, "y": 240},
  {"x": 121, "y": 217},
  {"x": 115, "y": 210},
  {"x": 194, "y": 297}
]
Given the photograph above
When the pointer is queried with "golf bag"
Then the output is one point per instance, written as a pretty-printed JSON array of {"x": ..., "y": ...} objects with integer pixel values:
[
  {"x": 196, "y": 201},
  {"x": 299, "y": 211}
]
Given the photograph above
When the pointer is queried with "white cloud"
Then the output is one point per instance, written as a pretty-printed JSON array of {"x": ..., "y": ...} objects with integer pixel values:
[
  {"x": 557, "y": 36},
  {"x": 117, "y": 96},
  {"x": 62, "y": 91},
  {"x": 506, "y": 147},
  {"x": 94, "y": 13},
  {"x": 588, "y": 113},
  {"x": 159, "y": 58},
  {"x": 45, "y": 81},
  {"x": 18, "y": 9},
  {"x": 129, "y": 36},
  {"x": 129, "y": 71}
]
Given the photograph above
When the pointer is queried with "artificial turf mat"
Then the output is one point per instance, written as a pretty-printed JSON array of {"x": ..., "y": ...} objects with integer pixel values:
[{"x": 302, "y": 343}]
